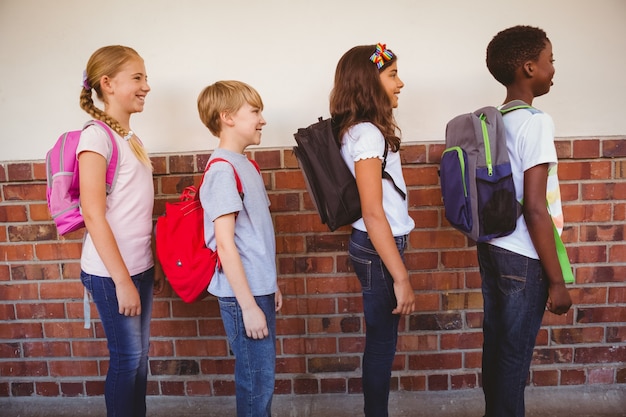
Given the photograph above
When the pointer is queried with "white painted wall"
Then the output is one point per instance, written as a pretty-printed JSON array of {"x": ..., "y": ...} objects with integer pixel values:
[{"x": 288, "y": 49}]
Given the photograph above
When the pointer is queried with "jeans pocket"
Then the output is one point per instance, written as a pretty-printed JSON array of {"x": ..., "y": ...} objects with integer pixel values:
[
  {"x": 230, "y": 318},
  {"x": 513, "y": 271}
]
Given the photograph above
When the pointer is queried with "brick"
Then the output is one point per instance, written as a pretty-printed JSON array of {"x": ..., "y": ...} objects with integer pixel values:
[
  {"x": 73, "y": 368},
  {"x": 617, "y": 295},
  {"x": 464, "y": 341},
  {"x": 597, "y": 212},
  {"x": 182, "y": 164},
  {"x": 573, "y": 377},
  {"x": 47, "y": 389},
  {"x": 601, "y": 376},
  {"x": 13, "y": 213},
  {"x": 268, "y": 159},
  {"x": 613, "y": 148},
  {"x": 616, "y": 334},
  {"x": 172, "y": 388},
  {"x": 17, "y": 252},
  {"x": 443, "y": 321},
  {"x": 462, "y": 301},
  {"x": 421, "y": 175},
  {"x": 334, "y": 364},
  {"x": 568, "y": 336},
  {"x": 435, "y": 361},
  {"x": 46, "y": 349},
  {"x": 543, "y": 356},
  {"x": 24, "y": 368},
  {"x": 333, "y": 386},
  {"x": 174, "y": 367},
  {"x": 464, "y": 381},
  {"x": 22, "y": 389},
  {"x": 545, "y": 378},
  {"x": 305, "y": 386},
  {"x": 413, "y": 154},
  {"x": 413, "y": 383},
  {"x": 58, "y": 251},
  {"x": 438, "y": 382},
  {"x": 20, "y": 172},
  {"x": 72, "y": 389},
  {"x": 24, "y": 192},
  {"x": 198, "y": 388},
  {"x": 200, "y": 347},
  {"x": 600, "y": 354},
  {"x": 598, "y": 274},
  {"x": 412, "y": 342}
]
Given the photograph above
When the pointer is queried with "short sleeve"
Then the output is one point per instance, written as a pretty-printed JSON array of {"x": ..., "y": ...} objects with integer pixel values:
[
  {"x": 95, "y": 139},
  {"x": 366, "y": 141},
  {"x": 538, "y": 144},
  {"x": 218, "y": 194}
]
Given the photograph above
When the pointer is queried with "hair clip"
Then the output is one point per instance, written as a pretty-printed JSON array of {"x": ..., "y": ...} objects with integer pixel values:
[
  {"x": 129, "y": 135},
  {"x": 381, "y": 55},
  {"x": 86, "y": 85}
]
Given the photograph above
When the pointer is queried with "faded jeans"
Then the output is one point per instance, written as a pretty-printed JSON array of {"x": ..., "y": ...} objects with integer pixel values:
[
  {"x": 515, "y": 292},
  {"x": 255, "y": 359},
  {"x": 128, "y": 341}
]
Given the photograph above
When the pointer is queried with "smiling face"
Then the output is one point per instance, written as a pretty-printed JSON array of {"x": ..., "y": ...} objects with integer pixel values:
[
  {"x": 128, "y": 89},
  {"x": 391, "y": 83},
  {"x": 247, "y": 123}
]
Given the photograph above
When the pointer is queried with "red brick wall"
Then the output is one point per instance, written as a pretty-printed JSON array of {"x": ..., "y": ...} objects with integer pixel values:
[{"x": 45, "y": 351}]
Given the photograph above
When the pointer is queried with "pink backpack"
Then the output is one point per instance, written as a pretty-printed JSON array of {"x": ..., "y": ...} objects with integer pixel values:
[{"x": 63, "y": 185}]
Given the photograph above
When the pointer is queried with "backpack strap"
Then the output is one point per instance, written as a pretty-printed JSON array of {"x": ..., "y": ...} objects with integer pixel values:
[
  {"x": 388, "y": 176},
  {"x": 113, "y": 160},
  {"x": 237, "y": 180}
]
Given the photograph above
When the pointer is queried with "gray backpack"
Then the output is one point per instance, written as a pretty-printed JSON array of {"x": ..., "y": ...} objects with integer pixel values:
[{"x": 475, "y": 172}]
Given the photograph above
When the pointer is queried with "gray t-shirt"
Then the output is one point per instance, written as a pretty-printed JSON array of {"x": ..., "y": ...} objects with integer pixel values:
[{"x": 254, "y": 231}]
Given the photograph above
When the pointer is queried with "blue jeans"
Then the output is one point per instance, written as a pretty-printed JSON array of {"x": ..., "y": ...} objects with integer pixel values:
[
  {"x": 128, "y": 341},
  {"x": 255, "y": 359},
  {"x": 381, "y": 327},
  {"x": 515, "y": 292}
]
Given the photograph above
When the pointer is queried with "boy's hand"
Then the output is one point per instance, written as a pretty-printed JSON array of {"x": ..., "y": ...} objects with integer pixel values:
[
  {"x": 559, "y": 300},
  {"x": 254, "y": 322},
  {"x": 405, "y": 297},
  {"x": 278, "y": 300}
]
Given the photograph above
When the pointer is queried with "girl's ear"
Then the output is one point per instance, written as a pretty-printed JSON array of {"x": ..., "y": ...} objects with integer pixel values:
[{"x": 105, "y": 84}]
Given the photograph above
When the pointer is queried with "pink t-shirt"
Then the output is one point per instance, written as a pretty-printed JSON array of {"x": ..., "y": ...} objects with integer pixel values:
[{"x": 128, "y": 207}]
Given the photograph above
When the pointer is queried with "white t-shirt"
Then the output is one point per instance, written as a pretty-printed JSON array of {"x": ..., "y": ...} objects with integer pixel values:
[
  {"x": 363, "y": 141},
  {"x": 530, "y": 142},
  {"x": 128, "y": 207}
]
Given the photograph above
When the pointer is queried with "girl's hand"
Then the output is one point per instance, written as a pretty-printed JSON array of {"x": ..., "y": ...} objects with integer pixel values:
[
  {"x": 405, "y": 297},
  {"x": 254, "y": 322},
  {"x": 128, "y": 298},
  {"x": 159, "y": 279}
]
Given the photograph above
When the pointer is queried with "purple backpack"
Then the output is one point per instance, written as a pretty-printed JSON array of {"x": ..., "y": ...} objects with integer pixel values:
[{"x": 63, "y": 185}]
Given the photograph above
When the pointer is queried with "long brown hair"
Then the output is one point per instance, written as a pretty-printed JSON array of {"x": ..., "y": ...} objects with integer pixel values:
[
  {"x": 109, "y": 60},
  {"x": 358, "y": 95}
]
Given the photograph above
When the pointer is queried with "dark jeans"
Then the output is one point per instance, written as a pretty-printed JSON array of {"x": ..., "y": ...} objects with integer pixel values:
[
  {"x": 128, "y": 340},
  {"x": 515, "y": 292},
  {"x": 255, "y": 359},
  {"x": 381, "y": 327}
]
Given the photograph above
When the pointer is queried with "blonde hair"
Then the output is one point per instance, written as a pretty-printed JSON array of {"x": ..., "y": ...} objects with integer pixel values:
[
  {"x": 109, "y": 60},
  {"x": 225, "y": 96}
]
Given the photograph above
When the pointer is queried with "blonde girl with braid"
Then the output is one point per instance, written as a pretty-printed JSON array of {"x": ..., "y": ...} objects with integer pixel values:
[{"x": 117, "y": 262}]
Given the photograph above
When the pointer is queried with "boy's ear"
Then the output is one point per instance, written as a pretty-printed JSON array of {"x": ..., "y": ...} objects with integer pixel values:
[
  {"x": 528, "y": 68},
  {"x": 226, "y": 118}
]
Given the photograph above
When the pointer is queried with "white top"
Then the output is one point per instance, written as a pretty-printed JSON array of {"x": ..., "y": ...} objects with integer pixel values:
[
  {"x": 363, "y": 141},
  {"x": 530, "y": 142},
  {"x": 128, "y": 207}
]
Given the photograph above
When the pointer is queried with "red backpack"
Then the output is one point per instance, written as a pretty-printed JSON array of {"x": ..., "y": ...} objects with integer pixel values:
[{"x": 180, "y": 245}]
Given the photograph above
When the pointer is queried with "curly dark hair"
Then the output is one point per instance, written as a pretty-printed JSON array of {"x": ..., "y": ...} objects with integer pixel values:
[
  {"x": 358, "y": 95},
  {"x": 510, "y": 48}
]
